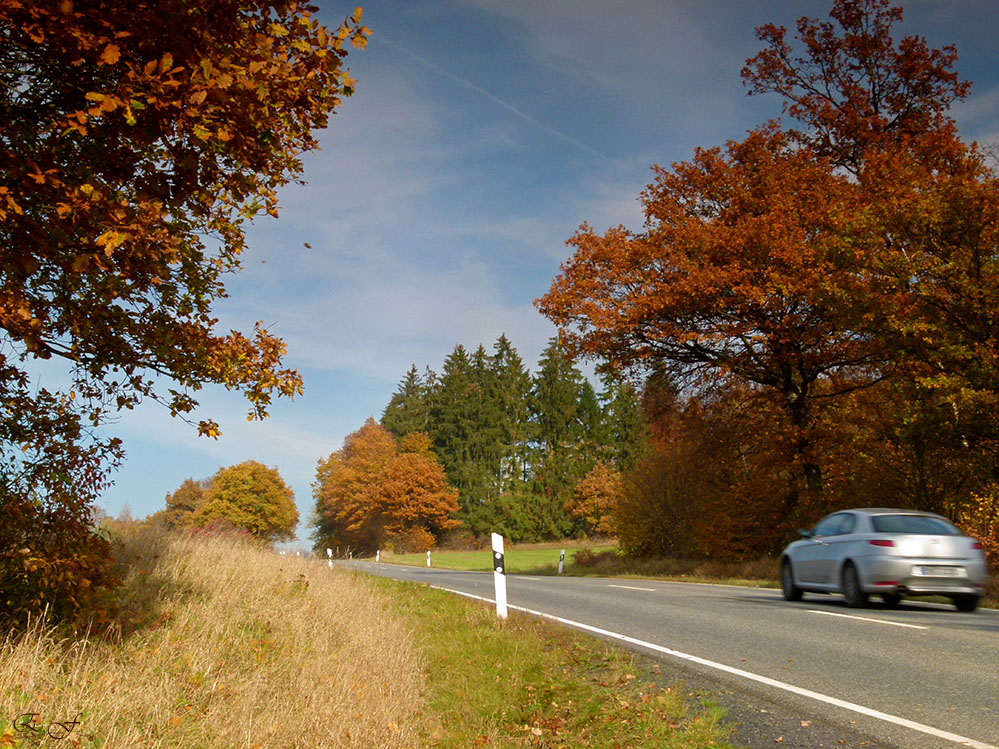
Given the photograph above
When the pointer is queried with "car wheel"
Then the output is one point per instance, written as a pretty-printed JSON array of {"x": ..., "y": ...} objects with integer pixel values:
[
  {"x": 791, "y": 591},
  {"x": 891, "y": 599},
  {"x": 966, "y": 603},
  {"x": 855, "y": 597}
]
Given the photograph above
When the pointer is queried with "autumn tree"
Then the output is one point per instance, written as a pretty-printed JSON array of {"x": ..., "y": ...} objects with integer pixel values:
[
  {"x": 135, "y": 147},
  {"x": 879, "y": 109},
  {"x": 742, "y": 272},
  {"x": 808, "y": 263},
  {"x": 182, "y": 503},
  {"x": 252, "y": 497},
  {"x": 595, "y": 499},
  {"x": 377, "y": 490},
  {"x": 412, "y": 497}
]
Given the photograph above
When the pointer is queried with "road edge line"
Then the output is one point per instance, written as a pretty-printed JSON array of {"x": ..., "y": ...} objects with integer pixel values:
[{"x": 818, "y": 696}]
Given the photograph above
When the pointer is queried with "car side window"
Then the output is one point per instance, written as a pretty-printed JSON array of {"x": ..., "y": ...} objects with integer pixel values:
[
  {"x": 829, "y": 526},
  {"x": 849, "y": 523}
]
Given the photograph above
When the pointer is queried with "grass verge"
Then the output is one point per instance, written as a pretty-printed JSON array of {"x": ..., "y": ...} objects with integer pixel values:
[
  {"x": 228, "y": 645},
  {"x": 525, "y": 560},
  {"x": 525, "y": 682}
]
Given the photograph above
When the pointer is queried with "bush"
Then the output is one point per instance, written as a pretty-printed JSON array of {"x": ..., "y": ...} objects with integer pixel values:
[
  {"x": 596, "y": 560},
  {"x": 981, "y": 520},
  {"x": 53, "y": 564},
  {"x": 415, "y": 541}
]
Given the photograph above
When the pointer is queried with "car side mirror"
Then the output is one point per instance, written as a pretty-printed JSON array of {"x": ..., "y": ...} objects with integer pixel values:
[{"x": 804, "y": 533}]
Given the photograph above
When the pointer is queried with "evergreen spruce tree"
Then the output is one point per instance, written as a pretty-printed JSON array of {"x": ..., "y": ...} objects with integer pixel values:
[
  {"x": 454, "y": 419},
  {"x": 409, "y": 409},
  {"x": 627, "y": 428},
  {"x": 555, "y": 412},
  {"x": 511, "y": 388}
]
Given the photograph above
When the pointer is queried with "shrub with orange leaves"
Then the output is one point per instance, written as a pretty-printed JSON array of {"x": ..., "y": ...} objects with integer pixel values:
[{"x": 980, "y": 519}]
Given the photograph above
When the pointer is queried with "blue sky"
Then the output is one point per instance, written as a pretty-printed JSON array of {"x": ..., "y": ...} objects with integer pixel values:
[{"x": 482, "y": 133}]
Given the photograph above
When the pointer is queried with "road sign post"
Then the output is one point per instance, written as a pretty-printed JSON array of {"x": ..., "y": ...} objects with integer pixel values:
[{"x": 499, "y": 575}]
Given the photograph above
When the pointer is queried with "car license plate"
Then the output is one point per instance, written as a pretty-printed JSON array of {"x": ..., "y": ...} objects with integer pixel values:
[{"x": 937, "y": 571}]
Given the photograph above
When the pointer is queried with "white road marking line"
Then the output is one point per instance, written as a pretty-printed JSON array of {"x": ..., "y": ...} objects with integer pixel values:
[
  {"x": 866, "y": 619},
  {"x": 853, "y": 707},
  {"x": 630, "y": 587}
]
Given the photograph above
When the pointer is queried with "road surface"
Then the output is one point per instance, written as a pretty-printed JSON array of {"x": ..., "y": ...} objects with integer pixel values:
[{"x": 922, "y": 676}]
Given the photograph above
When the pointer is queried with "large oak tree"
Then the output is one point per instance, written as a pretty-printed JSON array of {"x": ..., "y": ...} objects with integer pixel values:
[{"x": 809, "y": 262}]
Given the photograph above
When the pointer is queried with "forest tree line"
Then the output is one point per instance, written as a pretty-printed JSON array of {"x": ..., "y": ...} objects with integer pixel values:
[{"x": 513, "y": 444}]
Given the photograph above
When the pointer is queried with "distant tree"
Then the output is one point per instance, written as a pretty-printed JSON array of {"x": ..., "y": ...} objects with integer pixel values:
[
  {"x": 558, "y": 433},
  {"x": 626, "y": 426},
  {"x": 408, "y": 410},
  {"x": 510, "y": 386},
  {"x": 377, "y": 490},
  {"x": 183, "y": 502},
  {"x": 595, "y": 499},
  {"x": 413, "y": 493},
  {"x": 252, "y": 497}
]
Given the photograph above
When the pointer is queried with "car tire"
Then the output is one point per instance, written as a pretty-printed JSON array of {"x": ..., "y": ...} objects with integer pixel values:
[
  {"x": 791, "y": 591},
  {"x": 966, "y": 603},
  {"x": 854, "y": 596},
  {"x": 892, "y": 600}
]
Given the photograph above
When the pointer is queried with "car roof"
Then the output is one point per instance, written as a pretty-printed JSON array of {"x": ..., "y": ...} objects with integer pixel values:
[{"x": 890, "y": 511}]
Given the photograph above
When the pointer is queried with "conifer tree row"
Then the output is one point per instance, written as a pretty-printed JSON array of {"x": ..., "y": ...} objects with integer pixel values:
[{"x": 514, "y": 444}]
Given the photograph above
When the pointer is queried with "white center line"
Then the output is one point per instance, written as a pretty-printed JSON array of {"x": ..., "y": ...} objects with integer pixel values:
[
  {"x": 866, "y": 619},
  {"x": 631, "y": 587}
]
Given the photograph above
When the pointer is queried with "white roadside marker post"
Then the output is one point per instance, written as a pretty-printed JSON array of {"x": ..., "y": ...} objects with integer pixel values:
[
  {"x": 428, "y": 557},
  {"x": 329, "y": 553},
  {"x": 499, "y": 575},
  {"x": 561, "y": 561},
  {"x": 378, "y": 555}
]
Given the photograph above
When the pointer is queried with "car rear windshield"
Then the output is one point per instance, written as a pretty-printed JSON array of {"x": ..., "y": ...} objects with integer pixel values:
[{"x": 913, "y": 524}]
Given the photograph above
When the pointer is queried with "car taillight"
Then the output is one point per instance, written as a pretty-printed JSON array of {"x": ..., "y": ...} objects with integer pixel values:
[
  {"x": 976, "y": 545},
  {"x": 881, "y": 542}
]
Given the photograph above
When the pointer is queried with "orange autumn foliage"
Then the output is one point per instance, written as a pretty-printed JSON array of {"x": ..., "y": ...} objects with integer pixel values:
[
  {"x": 806, "y": 263},
  {"x": 135, "y": 147},
  {"x": 595, "y": 499},
  {"x": 376, "y": 491}
]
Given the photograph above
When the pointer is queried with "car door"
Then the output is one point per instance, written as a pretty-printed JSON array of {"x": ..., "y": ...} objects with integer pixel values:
[
  {"x": 836, "y": 547},
  {"x": 814, "y": 555}
]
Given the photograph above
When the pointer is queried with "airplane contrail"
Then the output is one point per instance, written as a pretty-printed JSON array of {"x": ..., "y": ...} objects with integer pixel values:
[{"x": 506, "y": 105}]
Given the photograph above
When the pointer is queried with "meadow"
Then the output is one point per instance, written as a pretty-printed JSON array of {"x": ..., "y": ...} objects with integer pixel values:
[{"x": 223, "y": 643}]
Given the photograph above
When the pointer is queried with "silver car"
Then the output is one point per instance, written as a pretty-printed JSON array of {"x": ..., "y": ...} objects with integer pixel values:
[{"x": 885, "y": 552}]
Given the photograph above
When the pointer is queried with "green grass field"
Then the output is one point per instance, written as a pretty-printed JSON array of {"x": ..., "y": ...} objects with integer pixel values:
[{"x": 529, "y": 559}]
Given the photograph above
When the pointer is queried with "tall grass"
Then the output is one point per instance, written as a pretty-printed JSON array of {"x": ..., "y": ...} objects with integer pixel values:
[{"x": 228, "y": 645}]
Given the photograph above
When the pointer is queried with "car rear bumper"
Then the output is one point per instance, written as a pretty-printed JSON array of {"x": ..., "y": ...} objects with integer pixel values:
[{"x": 908, "y": 576}]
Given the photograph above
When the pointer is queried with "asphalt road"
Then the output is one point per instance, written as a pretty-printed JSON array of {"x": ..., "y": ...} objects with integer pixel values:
[{"x": 919, "y": 676}]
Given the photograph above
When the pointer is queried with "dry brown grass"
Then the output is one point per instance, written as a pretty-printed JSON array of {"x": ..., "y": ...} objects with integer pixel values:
[{"x": 234, "y": 646}]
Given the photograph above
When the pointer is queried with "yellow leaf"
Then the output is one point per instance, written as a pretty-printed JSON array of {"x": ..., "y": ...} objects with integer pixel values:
[{"x": 110, "y": 56}]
